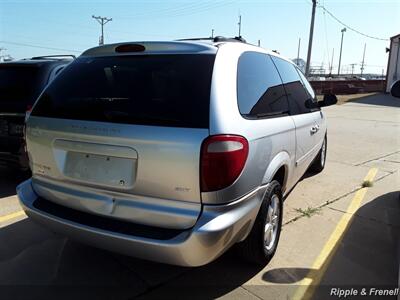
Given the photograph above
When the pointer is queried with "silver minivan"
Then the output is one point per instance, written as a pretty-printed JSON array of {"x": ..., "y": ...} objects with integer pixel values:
[{"x": 173, "y": 151}]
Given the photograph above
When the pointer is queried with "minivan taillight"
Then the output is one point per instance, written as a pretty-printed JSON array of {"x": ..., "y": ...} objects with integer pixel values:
[{"x": 222, "y": 160}]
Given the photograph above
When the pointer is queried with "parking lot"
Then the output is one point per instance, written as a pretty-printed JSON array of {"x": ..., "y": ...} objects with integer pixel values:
[{"x": 336, "y": 233}]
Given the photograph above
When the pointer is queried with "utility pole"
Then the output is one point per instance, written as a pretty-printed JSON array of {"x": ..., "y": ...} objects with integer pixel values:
[
  {"x": 331, "y": 67},
  {"x": 340, "y": 54},
  {"x": 362, "y": 64},
  {"x": 298, "y": 51},
  {"x": 352, "y": 69},
  {"x": 259, "y": 43},
  {"x": 311, "y": 37},
  {"x": 212, "y": 33},
  {"x": 240, "y": 25},
  {"x": 102, "y": 21}
]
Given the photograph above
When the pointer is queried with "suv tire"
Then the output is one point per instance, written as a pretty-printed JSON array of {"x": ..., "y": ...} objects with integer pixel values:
[
  {"x": 257, "y": 247},
  {"x": 319, "y": 162}
]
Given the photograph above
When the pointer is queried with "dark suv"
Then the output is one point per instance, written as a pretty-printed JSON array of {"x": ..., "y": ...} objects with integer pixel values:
[{"x": 21, "y": 82}]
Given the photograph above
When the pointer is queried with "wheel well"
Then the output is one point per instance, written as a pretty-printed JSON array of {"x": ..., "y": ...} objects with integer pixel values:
[{"x": 280, "y": 175}]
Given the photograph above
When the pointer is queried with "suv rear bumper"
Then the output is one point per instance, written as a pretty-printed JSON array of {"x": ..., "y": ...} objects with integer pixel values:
[{"x": 218, "y": 228}]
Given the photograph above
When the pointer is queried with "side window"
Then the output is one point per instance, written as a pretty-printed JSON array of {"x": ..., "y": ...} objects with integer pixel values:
[
  {"x": 260, "y": 90},
  {"x": 296, "y": 92}
]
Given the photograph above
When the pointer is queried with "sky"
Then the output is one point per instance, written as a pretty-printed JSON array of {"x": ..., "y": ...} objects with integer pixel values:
[{"x": 33, "y": 28}]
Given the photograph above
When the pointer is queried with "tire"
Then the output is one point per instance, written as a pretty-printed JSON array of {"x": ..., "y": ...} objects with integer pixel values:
[
  {"x": 319, "y": 162},
  {"x": 254, "y": 249}
]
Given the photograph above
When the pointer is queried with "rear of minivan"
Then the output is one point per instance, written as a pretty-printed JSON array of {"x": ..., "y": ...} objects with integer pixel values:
[{"x": 120, "y": 152}]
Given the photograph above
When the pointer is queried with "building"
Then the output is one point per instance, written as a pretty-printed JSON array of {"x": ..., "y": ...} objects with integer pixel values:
[{"x": 393, "y": 68}]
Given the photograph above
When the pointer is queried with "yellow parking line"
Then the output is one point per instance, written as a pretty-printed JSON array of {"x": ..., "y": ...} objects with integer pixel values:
[
  {"x": 313, "y": 278},
  {"x": 12, "y": 216}
]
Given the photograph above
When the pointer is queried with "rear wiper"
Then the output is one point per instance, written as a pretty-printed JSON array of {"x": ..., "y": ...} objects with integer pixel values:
[
  {"x": 111, "y": 99},
  {"x": 271, "y": 114}
]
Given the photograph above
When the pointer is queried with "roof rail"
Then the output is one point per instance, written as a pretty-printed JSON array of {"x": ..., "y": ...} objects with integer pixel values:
[
  {"x": 217, "y": 39},
  {"x": 60, "y": 56}
]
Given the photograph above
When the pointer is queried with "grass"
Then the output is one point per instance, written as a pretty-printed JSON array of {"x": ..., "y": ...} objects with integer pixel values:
[
  {"x": 308, "y": 212},
  {"x": 367, "y": 183}
]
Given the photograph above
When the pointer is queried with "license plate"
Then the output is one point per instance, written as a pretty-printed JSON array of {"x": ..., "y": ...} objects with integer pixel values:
[{"x": 101, "y": 169}]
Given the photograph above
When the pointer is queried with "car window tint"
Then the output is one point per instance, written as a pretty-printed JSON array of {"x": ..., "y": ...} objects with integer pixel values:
[
  {"x": 160, "y": 90},
  {"x": 20, "y": 85},
  {"x": 260, "y": 91},
  {"x": 296, "y": 92}
]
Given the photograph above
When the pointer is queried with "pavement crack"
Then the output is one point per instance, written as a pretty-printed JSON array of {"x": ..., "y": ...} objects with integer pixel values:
[
  {"x": 364, "y": 217},
  {"x": 376, "y": 158},
  {"x": 392, "y": 161},
  {"x": 328, "y": 202},
  {"x": 251, "y": 293},
  {"x": 152, "y": 288}
]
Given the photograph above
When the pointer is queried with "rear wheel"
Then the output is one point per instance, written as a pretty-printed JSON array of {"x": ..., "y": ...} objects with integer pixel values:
[
  {"x": 319, "y": 163},
  {"x": 260, "y": 245}
]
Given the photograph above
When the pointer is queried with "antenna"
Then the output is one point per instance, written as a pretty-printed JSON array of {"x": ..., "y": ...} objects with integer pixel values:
[{"x": 240, "y": 25}]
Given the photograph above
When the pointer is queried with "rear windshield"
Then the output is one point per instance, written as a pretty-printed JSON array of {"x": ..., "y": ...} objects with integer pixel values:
[
  {"x": 162, "y": 90},
  {"x": 19, "y": 86}
]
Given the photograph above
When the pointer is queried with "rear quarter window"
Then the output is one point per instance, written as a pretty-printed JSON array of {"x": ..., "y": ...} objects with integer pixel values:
[
  {"x": 297, "y": 94},
  {"x": 161, "y": 90},
  {"x": 260, "y": 90}
]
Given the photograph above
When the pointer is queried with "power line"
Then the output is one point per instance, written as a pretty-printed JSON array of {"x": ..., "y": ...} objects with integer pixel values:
[
  {"x": 184, "y": 11},
  {"x": 169, "y": 10},
  {"x": 40, "y": 47},
  {"x": 349, "y": 27},
  {"x": 326, "y": 38}
]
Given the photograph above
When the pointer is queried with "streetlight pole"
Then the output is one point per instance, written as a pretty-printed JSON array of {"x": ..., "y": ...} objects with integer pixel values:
[{"x": 340, "y": 54}]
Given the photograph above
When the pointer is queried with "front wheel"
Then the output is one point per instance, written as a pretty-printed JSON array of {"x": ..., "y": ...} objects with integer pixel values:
[
  {"x": 260, "y": 245},
  {"x": 319, "y": 163}
]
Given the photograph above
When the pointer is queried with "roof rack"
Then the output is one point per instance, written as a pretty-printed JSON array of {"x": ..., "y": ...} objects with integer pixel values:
[
  {"x": 217, "y": 39},
  {"x": 54, "y": 56}
]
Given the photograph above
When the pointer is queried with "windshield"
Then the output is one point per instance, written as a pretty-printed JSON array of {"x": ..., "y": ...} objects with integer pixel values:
[
  {"x": 164, "y": 90},
  {"x": 19, "y": 87}
]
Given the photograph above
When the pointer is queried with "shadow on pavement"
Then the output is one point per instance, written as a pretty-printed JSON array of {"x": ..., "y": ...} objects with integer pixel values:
[
  {"x": 377, "y": 99},
  {"x": 37, "y": 264},
  {"x": 367, "y": 255}
]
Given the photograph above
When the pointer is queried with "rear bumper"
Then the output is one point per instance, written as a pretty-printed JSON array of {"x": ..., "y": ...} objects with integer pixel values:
[{"x": 218, "y": 228}]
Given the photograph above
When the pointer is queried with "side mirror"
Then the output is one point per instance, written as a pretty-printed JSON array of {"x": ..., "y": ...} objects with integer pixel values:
[
  {"x": 395, "y": 89},
  {"x": 329, "y": 99}
]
